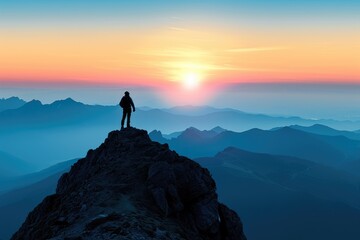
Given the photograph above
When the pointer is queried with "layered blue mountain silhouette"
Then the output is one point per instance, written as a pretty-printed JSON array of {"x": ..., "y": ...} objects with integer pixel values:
[
  {"x": 282, "y": 195},
  {"x": 18, "y": 181},
  {"x": 296, "y": 182},
  {"x": 327, "y": 131},
  {"x": 328, "y": 150},
  {"x": 28, "y": 191},
  {"x": 66, "y": 112},
  {"x": 77, "y": 126},
  {"x": 10, "y": 103},
  {"x": 197, "y": 110},
  {"x": 69, "y": 112},
  {"x": 12, "y": 166}
]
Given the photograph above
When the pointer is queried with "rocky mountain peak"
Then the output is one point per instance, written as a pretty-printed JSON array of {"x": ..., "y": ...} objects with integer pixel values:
[
  {"x": 68, "y": 102},
  {"x": 32, "y": 104},
  {"x": 133, "y": 188}
]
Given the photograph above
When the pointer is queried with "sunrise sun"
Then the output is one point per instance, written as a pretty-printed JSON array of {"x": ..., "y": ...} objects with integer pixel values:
[{"x": 191, "y": 80}]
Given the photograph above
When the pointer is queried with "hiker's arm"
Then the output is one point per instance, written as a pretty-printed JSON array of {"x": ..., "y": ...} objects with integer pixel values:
[{"x": 132, "y": 104}]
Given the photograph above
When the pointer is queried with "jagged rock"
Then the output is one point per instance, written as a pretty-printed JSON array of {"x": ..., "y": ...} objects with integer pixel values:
[
  {"x": 230, "y": 221},
  {"x": 133, "y": 188},
  {"x": 161, "y": 183}
]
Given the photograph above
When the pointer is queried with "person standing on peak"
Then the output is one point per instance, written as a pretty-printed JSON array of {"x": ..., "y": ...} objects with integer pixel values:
[{"x": 126, "y": 103}]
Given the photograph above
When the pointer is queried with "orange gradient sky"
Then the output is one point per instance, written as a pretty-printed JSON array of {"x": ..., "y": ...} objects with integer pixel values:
[{"x": 186, "y": 52}]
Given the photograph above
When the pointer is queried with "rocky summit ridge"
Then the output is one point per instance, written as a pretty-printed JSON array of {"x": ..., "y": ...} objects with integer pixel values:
[{"x": 133, "y": 188}]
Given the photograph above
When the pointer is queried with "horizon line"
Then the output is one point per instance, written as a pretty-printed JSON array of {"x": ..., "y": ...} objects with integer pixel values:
[{"x": 80, "y": 83}]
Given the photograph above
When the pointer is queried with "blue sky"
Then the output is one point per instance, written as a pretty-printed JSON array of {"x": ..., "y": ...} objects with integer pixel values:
[{"x": 252, "y": 9}]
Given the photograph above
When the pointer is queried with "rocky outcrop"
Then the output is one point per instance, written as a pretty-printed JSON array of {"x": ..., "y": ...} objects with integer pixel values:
[{"x": 133, "y": 188}]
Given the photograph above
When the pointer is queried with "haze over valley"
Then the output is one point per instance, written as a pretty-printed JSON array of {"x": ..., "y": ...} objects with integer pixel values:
[{"x": 282, "y": 174}]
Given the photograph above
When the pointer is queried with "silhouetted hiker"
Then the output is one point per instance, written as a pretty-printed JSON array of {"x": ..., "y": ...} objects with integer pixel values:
[{"x": 126, "y": 103}]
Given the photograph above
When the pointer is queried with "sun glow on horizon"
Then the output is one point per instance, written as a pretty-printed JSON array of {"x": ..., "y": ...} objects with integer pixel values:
[{"x": 191, "y": 80}]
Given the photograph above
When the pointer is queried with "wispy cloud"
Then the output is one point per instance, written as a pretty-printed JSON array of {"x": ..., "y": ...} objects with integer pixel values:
[
  {"x": 208, "y": 67},
  {"x": 254, "y": 49},
  {"x": 177, "y": 29},
  {"x": 176, "y": 53},
  {"x": 195, "y": 66}
]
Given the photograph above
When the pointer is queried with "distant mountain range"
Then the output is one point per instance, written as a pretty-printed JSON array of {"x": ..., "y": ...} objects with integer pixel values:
[
  {"x": 38, "y": 129},
  {"x": 281, "y": 195},
  {"x": 325, "y": 130},
  {"x": 328, "y": 150},
  {"x": 58, "y": 114},
  {"x": 68, "y": 112},
  {"x": 197, "y": 110},
  {"x": 10, "y": 103}
]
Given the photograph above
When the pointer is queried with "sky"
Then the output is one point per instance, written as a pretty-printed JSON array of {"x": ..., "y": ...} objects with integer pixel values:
[{"x": 186, "y": 51}]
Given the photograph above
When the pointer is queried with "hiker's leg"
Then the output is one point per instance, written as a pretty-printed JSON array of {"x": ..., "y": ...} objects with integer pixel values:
[
  {"x": 128, "y": 118},
  {"x": 123, "y": 118}
]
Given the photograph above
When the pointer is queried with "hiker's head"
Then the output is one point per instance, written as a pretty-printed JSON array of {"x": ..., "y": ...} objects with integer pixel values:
[{"x": 127, "y": 93}]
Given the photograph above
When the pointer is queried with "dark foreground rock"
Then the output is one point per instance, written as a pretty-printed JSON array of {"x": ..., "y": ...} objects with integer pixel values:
[{"x": 133, "y": 188}]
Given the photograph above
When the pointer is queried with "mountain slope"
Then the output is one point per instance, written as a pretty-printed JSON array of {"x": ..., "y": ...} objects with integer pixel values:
[
  {"x": 12, "y": 166},
  {"x": 287, "y": 198},
  {"x": 23, "y": 180},
  {"x": 133, "y": 188},
  {"x": 293, "y": 173},
  {"x": 28, "y": 191},
  {"x": 352, "y": 167},
  {"x": 16, "y": 205},
  {"x": 327, "y": 131}
]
